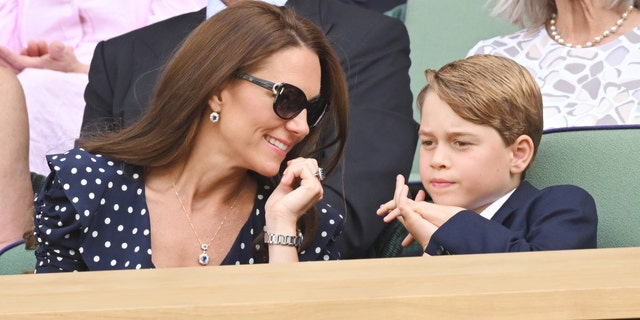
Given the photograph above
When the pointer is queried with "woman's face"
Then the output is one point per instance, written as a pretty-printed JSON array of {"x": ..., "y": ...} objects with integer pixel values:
[{"x": 249, "y": 133}]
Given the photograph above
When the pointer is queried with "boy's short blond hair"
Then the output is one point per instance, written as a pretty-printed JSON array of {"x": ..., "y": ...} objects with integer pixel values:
[{"x": 493, "y": 91}]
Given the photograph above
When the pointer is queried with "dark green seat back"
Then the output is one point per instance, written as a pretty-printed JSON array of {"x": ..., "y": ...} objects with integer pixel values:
[{"x": 605, "y": 161}]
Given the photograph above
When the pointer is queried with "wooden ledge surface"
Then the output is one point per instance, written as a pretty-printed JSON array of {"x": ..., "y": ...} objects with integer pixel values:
[{"x": 578, "y": 284}]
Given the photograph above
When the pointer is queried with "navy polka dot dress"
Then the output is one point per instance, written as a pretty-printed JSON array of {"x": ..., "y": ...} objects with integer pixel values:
[{"x": 91, "y": 214}]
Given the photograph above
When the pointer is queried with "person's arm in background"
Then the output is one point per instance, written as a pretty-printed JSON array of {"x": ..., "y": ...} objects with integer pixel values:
[
  {"x": 42, "y": 55},
  {"x": 17, "y": 55},
  {"x": 63, "y": 27},
  {"x": 9, "y": 33},
  {"x": 28, "y": 28},
  {"x": 16, "y": 199},
  {"x": 98, "y": 94},
  {"x": 382, "y": 132}
]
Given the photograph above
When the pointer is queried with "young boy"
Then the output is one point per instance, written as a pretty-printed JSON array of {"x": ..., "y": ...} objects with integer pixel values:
[{"x": 481, "y": 123}]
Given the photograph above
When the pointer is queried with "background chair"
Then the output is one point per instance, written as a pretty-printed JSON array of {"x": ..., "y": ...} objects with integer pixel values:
[
  {"x": 397, "y": 12},
  {"x": 605, "y": 162},
  {"x": 18, "y": 259}
]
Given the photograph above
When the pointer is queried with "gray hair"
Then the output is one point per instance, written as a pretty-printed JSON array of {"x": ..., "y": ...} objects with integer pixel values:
[{"x": 535, "y": 13}]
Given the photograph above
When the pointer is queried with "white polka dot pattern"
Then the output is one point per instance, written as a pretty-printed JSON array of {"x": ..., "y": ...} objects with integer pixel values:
[{"x": 92, "y": 215}]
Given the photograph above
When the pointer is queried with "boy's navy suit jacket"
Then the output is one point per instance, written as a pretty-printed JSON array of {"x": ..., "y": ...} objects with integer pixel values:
[{"x": 555, "y": 218}]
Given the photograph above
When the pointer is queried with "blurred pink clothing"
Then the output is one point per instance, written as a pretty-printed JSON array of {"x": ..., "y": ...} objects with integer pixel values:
[
  {"x": 82, "y": 23},
  {"x": 55, "y": 100}
]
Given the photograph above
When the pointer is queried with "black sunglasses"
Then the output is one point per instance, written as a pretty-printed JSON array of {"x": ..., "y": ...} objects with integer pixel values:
[{"x": 289, "y": 101}]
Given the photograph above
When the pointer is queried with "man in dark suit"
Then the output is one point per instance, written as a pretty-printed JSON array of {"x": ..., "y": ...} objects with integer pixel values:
[{"x": 374, "y": 52}]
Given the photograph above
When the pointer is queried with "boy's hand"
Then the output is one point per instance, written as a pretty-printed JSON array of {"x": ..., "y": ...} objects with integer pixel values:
[
  {"x": 419, "y": 217},
  {"x": 402, "y": 208}
]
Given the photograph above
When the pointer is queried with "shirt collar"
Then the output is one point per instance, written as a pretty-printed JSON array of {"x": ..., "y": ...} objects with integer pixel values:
[
  {"x": 491, "y": 210},
  {"x": 215, "y": 6}
]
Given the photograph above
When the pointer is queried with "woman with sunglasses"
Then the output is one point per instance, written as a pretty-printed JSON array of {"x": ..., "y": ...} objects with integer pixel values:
[{"x": 221, "y": 169}]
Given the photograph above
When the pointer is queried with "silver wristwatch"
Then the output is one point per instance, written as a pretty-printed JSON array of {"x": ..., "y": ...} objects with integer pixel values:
[{"x": 283, "y": 240}]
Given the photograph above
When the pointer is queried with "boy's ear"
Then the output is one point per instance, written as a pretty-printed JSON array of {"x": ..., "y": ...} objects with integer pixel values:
[{"x": 522, "y": 154}]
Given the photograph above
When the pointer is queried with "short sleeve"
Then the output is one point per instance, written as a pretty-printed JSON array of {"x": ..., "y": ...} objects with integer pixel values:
[
  {"x": 91, "y": 214},
  {"x": 57, "y": 229}
]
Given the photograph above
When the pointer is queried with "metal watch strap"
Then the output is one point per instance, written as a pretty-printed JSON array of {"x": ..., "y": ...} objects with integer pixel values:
[{"x": 283, "y": 240}]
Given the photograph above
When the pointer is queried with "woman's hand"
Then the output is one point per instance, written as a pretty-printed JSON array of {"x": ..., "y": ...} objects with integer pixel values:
[{"x": 297, "y": 192}]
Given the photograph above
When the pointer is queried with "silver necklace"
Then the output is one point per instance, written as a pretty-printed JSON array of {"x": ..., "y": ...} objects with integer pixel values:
[
  {"x": 557, "y": 38},
  {"x": 203, "y": 258}
]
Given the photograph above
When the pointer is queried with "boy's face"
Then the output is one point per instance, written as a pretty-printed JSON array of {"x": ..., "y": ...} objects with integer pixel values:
[{"x": 461, "y": 163}]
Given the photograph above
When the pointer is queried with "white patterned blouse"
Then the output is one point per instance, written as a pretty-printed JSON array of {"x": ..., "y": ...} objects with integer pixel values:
[{"x": 580, "y": 86}]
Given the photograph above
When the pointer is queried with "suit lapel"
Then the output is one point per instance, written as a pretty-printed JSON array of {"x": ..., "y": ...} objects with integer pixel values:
[{"x": 520, "y": 196}]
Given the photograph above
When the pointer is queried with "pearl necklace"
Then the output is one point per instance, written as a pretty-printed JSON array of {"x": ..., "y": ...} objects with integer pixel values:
[
  {"x": 203, "y": 258},
  {"x": 555, "y": 36}
]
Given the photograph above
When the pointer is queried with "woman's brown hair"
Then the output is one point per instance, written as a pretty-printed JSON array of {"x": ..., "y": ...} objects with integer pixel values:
[{"x": 233, "y": 42}]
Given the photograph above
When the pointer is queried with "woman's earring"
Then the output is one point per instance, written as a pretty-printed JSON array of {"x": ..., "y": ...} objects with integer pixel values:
[{"x": 214, "y": 117}]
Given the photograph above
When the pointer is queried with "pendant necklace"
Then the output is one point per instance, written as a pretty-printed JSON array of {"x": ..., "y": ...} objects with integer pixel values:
[{"x": 203, "y": 258}]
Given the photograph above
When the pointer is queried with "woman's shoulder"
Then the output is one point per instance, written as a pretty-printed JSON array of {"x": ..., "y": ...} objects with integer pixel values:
[
  {"x": 502, "y": 42},
  {"x": 631, "y": 38},
  {"x": 89, "y": 180},
  {"x": 75, "y": 157},
  {"x": 80, "y": 173},
  {"x": 79, "y": 163}
]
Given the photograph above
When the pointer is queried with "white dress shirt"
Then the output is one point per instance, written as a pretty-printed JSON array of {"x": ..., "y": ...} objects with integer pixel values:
[{"x": 491, "y": 210}]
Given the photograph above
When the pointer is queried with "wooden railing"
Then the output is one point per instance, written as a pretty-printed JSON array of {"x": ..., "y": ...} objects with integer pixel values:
[{"x": 579, "y": 284}]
